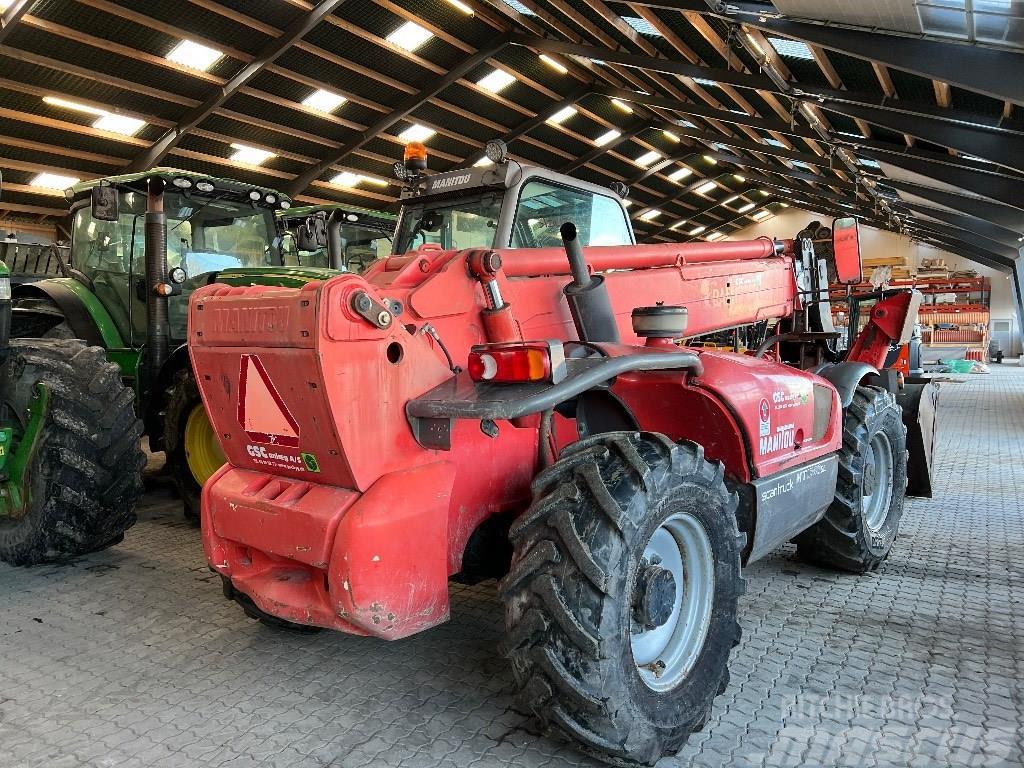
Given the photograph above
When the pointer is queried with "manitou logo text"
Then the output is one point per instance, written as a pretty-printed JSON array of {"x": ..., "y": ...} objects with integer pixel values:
[
  {"x": 781, "y": 438},
  {"x": 251, "y": 320},
  {"x": 450, "y": 181},
  {"x": 720, "y": 291}
]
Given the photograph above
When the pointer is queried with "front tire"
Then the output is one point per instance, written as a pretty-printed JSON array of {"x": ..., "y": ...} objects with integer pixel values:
[
  {"x": 605, "y": 647},
  {"x": 192, "y": 449},
  {"x": 86, "y": 474},
  {"x": 860, "y": 526}
]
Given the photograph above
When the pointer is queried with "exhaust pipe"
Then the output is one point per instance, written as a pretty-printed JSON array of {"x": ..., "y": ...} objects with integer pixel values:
[
  {"x": 335, "y": 243},
  {"x": 587, "y": 294},
  {"x": 158, "y": 326}
]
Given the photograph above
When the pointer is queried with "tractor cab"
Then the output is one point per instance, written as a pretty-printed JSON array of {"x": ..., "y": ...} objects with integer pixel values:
[
  {"x": 212, "y": 225},
  {"x": 346, "y": 238},
  {"x": 503, "y": 204}
]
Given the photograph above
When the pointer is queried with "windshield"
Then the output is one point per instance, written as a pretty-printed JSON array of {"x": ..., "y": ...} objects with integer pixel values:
[
  {"x": 452, "y": 224},
  {"x": 204, "y": 234},
  {"x": 361, "y": 246}
]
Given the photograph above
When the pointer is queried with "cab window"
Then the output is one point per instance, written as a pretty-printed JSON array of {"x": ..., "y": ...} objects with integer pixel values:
[{"x": 544, "y": 207}]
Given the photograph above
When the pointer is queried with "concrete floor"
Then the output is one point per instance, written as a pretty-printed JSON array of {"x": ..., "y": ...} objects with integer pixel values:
[{"x": 132, "y": 657}]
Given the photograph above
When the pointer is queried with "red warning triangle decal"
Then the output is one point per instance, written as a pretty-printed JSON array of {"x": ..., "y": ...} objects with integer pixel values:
[{"x": 261, "y": 411}]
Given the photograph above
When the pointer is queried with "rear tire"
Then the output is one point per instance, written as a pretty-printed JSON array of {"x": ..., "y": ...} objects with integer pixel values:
[
  {"x": 860, "y": 526},
  {"x": 87, "y": 472},
  {"x": 193, "y": 453},
  {"x": 578, "y": 596}
]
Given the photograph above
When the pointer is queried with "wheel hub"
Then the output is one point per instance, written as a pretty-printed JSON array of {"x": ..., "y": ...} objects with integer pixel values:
[
  {"x": 655, "y": 596},
  {"x": 672, "y": 601}
]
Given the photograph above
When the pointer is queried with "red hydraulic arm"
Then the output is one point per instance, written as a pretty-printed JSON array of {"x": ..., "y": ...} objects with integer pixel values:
[{"x": 891, "y": 320}]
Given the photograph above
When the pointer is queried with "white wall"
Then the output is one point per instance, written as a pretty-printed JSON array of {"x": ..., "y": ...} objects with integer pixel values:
[{"x": 878, "y": 242}]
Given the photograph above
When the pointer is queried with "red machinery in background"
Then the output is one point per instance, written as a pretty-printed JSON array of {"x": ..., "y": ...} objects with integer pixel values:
[{"x": 531, "y": 415}]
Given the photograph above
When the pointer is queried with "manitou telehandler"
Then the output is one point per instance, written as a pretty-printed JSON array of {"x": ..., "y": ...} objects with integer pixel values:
[
  {"x": 530, "y": 414},
  {"x": 70, "y": 459}
]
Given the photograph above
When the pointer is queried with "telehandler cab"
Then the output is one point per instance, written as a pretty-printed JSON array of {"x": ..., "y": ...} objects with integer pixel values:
[{"x": 531, "y": 414}]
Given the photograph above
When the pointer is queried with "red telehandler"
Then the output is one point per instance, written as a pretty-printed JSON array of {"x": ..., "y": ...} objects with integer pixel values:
[{"x": 529, "y": 414}]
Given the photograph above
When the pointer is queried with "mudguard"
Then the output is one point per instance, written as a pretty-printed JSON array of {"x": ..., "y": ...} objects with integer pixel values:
[{"x": 919, "y": 403}]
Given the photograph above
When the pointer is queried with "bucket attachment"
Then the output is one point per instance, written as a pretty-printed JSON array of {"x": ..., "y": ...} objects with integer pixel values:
[{"x": 919, "y": 402}]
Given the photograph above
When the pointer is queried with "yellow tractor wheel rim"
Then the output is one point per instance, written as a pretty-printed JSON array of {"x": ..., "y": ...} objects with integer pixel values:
[{"x": 202, "y": 451}]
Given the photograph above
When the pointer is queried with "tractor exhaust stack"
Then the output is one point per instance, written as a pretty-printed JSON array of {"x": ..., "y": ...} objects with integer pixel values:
[{"x": 587, "y": 294}]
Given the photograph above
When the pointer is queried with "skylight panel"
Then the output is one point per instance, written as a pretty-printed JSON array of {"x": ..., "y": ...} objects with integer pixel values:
[
  {"x": 697, "y": 230},
  {"x": 867, "y": 162},
  {"x": 704, "y": 81},
  {"x": 409, "y": 36},
  {"x": 496, "y": 81},
  {"x": 53, "y": 181},
  {"x": 562, "y": 115},
  {"x": 706, "y": 187},
  {"x": 416, "y": 132},
  {"x": 122, "y": 124},
  {"x": 323, "y": 101},
  {"x": 250, "y": 155},
  {"x": 643, "y": 26},
  {"x": 194, "y": 56},
  {"x": 518, "y": 7},
  {"x": 714, "y": 236},
  {"x": 607, "y": 138},
  {"x": 650, "y": 215},
  {"x": 762, "y": 215},
  {"x": 773, "y": 143},
  {"x": 791, "y": 49},
  {"x": 647, "y": 158}
]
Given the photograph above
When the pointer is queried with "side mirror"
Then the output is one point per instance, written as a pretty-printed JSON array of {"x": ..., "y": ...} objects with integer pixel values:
[
  {"x": 846, "y": 247},
  {"x": 104, "y": 203}
]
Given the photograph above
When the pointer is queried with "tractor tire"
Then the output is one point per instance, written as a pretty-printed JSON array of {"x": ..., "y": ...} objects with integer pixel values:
[
  {"x": 87, "y": 472},
  {"x": 190, "y": 444},
  {"x": 595, "y": 632},
  {"x": 858, "y": 530}
]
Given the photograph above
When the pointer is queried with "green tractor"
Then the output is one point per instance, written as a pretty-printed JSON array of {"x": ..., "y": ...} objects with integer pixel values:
[
  {"x": 70, "y": 455},
  {"x": 140, "y": 244}
]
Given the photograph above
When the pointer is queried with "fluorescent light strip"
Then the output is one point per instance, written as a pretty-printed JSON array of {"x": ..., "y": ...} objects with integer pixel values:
[
  {"x": 607, "y": 138},
  {"x": 714, "y": 236},
  {"x": 120, "y": 124},
  {"x": 761, "y": 215},
  {"x": 745, "y": 208},
  {"x": 461, "y": 6},
  {"x": 697, "y": 230},
  {"x": 554, "y": 63},
  {"x": 680, "y": 174},
  {"x": 650, "y": 215},
  {"x": 706, "y": 187},
  {"x": 622, "y": 105}
]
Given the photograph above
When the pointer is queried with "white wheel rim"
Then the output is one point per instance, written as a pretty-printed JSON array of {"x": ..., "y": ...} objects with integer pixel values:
[
  {"x": 665, "y": 655},
  {"x": 878, "y": 475}
]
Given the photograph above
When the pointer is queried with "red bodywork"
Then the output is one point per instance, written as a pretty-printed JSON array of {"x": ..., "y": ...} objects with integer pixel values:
[{"x": 353, "y": 524}]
